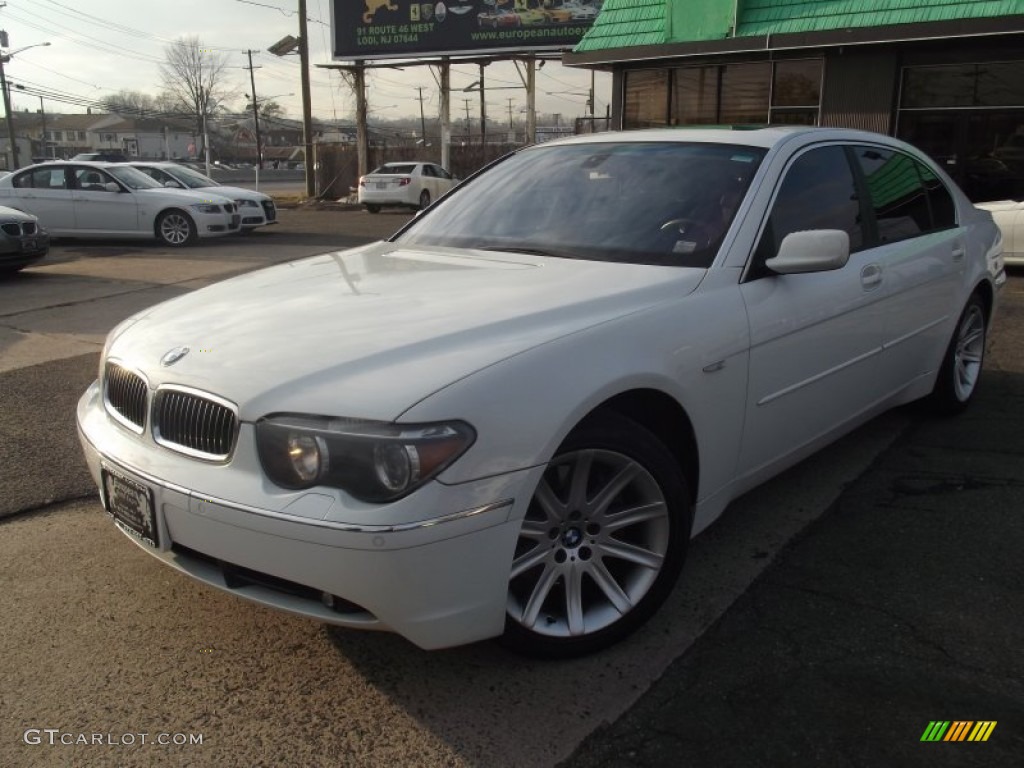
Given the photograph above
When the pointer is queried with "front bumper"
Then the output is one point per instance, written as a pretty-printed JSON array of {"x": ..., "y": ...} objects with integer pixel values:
[
  {"x": 437, "y": 578},
  {"x": 216, "y": 224}
]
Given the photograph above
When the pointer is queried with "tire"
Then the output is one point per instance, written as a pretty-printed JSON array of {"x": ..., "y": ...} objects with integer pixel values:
[
  {"x": 583, "y": 575},
  {"x": 960, "y": 373},
  {"x": 424, "y": 199},
  {"x": 373, "y": 208},
  {"x": 176, "y": 228}
]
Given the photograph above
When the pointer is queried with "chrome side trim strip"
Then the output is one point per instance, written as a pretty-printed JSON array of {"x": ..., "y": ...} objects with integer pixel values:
[{"x": 818, "y": 376}]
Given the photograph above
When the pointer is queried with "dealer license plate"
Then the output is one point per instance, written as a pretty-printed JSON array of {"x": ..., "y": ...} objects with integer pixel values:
[
  {"x": 382, "y": 185},
  {"x": 131, "y": 505},
  {"x": 28, "y": 245}
]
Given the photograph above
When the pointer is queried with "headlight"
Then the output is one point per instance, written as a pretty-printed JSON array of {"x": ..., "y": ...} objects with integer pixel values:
[
  {"x": 373, "y": 461},
  {"x": 207, "y": 208}
]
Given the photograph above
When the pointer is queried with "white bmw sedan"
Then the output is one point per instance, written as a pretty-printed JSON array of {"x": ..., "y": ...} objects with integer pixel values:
[
  {"x": 510, "y": 418},
  {"x": 99, "y": 199},
  {"x": 255, "y": 208}
]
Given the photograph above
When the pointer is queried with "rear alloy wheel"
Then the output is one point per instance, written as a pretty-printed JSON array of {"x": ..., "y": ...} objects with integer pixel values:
[
  {"x": 373, "y": 208},
  {"x": 602, "y": 543},
  {"x": 424, "y": 199},
  {"x": 176, "y": 229},
  {"x": 961, "y": 368}
]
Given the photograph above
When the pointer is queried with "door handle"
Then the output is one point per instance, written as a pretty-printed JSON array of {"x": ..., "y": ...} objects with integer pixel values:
[
  {"x": 959, "y": 252},
  {"x": 871, "y": 277}
]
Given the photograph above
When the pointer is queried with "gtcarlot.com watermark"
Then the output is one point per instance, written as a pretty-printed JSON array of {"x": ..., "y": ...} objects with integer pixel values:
[{"x": 55, "y": 737}]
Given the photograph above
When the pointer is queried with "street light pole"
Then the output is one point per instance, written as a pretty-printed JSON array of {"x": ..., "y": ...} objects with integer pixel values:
[{"x": 4, "y": 58}]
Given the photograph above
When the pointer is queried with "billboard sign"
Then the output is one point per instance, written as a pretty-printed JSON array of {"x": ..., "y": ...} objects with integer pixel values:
[{"x": 403, "y": 29}]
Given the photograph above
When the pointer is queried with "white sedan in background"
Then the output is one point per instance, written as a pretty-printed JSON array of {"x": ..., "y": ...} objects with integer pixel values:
[
  {"x": 410, "y": 184},
  {"x": 1009, "y": 216},
  {"x": 98, "y": 199},
  {"x": 256, "y": 208},
  {"x": 511, "y": 417}
]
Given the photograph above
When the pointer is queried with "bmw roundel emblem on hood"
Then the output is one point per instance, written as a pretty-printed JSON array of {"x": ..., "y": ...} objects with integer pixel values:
[{"x": 173, "y": 356}]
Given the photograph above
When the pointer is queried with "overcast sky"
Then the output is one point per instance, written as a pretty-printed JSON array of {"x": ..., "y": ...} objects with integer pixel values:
[{"x": 99, "y": 47}]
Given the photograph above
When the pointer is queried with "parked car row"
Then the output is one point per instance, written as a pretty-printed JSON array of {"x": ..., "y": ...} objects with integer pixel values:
[{"x": 96, "y": 198}]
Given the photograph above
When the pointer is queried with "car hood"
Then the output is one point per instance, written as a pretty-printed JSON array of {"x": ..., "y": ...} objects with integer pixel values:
[
  {"x": 183, "y": 196},
  {"x": 235, "y": 193},
  {"x": 371, "y": 331}
]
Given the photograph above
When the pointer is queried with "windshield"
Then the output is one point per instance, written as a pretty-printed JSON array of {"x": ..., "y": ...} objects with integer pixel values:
[
  {"x": 192, "y": 179},
  {"x": 131, "y": 178},
  {"x": 642, "y": 203}
]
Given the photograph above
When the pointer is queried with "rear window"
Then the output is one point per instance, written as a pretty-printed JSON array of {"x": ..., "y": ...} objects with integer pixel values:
[{"x": 409, "y": 168}]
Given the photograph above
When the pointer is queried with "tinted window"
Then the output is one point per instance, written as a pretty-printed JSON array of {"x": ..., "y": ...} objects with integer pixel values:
[
  {"x": 395, "y": 169},
  {"x": 818, "y": 192},
  {"x": 907, "y": 197},
  {"x": 939, "y": 198},
  {"x": 897, "y": 195}
]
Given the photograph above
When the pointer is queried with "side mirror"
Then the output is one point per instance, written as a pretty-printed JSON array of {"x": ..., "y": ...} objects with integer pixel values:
[
  {"x": 112, "y": 186},
  {"x": 814, "y": 250}
]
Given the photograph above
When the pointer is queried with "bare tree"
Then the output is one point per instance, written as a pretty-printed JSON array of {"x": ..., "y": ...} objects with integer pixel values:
[
  {"x": 194, "y": 77},
  {"x": 133, "y": 103}
]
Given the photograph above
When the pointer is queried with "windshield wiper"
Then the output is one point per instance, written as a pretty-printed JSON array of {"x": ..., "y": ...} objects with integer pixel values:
[{"x": 530, "y": 251}]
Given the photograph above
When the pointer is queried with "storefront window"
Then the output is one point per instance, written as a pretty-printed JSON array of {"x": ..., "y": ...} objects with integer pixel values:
[
  {"x": 744, "y": 95},
  {"x": 696, "y": 95},
  {"x": 725, "y": 94},
  {"x": 646, "y": 101},
  {"x": 991, "y": 84}
]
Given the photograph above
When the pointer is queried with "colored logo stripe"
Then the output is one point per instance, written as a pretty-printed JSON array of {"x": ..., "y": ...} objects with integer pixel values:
[
  {"x": 958, "y": 730},
  {"x": 982, "y": 730}
]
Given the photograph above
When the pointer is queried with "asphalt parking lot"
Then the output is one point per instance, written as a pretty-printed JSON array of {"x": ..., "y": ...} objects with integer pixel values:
[{"x": 825, "y": 620}]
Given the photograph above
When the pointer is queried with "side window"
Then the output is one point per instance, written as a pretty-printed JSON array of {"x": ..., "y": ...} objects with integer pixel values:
[
  {"x": 41, "y": 178},
  {"x": 428, "y": 170},
  {"x": 817, "y": 192},
  {"x": 939, "y": 197},
  {"x": 91, "y": 179},
  {"x": 896, "y": 192}
]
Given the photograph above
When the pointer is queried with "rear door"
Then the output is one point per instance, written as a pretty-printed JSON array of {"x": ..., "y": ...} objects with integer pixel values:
[
  {"x": 815, "y": 338},
  {"x": 45, "y": 192},
  {"x": 921, "y": 252}
]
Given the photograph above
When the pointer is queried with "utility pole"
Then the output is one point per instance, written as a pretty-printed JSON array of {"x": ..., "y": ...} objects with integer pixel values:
[
  {"x": 423, "y": 120},
  {"x": 483, "y": 113},
  {"x": 510, "y": 126},
  {"x": 255, "y": 111},
  {"x": 469, "y": 128},
  {"x": 42, "y": 116},
  {"x": 362, "y": 137},
  {"x": 307, "y": 113},
  {"x": 446, "y": 131}
]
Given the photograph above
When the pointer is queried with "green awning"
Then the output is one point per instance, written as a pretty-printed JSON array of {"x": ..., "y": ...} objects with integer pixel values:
[{"x": 633, "y": 23}]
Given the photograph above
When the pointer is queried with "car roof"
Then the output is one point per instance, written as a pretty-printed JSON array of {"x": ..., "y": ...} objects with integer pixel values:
[
  {"x": 753, "y": 136},
  {"x": 65, "y": 163}
]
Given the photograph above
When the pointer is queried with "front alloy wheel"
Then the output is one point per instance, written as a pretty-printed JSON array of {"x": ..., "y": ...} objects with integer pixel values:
[
  {"x": 602, "y": 542},
  {"x": 176, "y": 229}
]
